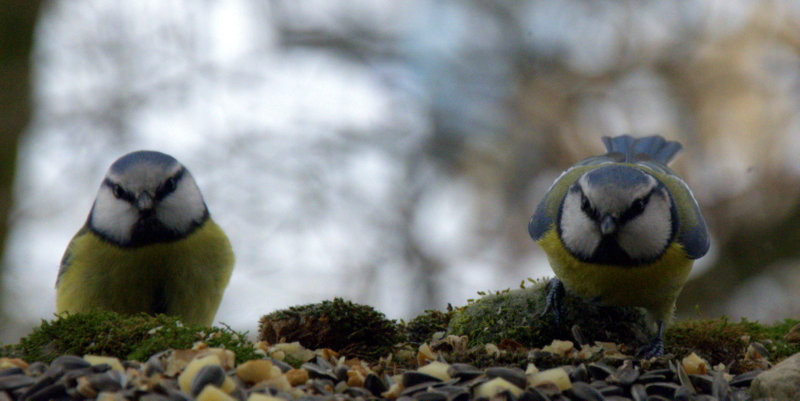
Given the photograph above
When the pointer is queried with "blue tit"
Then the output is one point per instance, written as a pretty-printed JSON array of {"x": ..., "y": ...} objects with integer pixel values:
[
  {"x": 149, "y": 245},
  {"x": 623, "y": 229}
]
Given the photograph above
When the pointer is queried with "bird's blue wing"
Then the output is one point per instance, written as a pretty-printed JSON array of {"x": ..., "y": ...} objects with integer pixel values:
[{"x": 541, "y": 221}]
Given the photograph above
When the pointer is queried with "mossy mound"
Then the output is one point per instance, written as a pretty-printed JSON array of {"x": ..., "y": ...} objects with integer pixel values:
[
  {"x": 722, "y": 341},
  {"x": 421, "y": 328},
  {"x": 134, "y": 337},
  {"x": 717, "y": 340},
  {"x": 514, "y": 315},
  {"x": 346, "y": 327},
  {"x": 773, "y": 336}
]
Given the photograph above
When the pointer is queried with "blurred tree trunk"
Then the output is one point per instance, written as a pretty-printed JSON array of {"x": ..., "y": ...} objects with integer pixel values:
[{"x": 17, "y": 22}]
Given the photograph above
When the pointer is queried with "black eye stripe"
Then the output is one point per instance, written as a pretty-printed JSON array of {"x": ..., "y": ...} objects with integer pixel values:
[
  {"x": 118, "y": 191},
  {"x": 587, "y": 207},
  {"x": 637, "y": 207},
  {"x": 169, "y": 185}
]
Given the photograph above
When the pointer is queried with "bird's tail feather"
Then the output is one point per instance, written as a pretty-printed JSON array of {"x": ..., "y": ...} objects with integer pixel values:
[{"x": 651, "y": 147}]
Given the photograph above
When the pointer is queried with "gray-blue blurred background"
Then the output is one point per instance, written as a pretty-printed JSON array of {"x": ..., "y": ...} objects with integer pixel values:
[{"x": 391, "y": 152}]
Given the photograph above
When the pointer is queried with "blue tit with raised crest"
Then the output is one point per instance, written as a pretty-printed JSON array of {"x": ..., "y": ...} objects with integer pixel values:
[
  {"x": 623, "y": 229},
  {"x": 149, "y": 245}
]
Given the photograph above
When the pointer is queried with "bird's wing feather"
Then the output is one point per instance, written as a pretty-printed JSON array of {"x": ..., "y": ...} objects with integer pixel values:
[
  {"x": 692, "y": 232},
  {"x": 64, "y": 265},
  {"x": 545, "y": 214}
]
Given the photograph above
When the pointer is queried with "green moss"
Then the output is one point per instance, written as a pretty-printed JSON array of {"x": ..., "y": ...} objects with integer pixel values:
[
  {"x": 496, "y": 317},
  {"x": 421, "y": 328},
  {"x": 506, "y": 318},
  {"x": 352, "y": 329},
  {"x": 515, "y": 315},
  {"x": 716, "y": 340},
  {"x": 721, "y": 341},
  {"x": 772, "y": 336},
  {"x": 126, "y": 337},
  {"x": 178, "y": 337}
]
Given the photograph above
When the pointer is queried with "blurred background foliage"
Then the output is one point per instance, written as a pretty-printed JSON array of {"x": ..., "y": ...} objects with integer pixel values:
[{"x": 393, "y": 152}]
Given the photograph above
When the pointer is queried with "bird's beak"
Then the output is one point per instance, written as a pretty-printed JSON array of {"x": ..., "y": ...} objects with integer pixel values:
[
  {"x": 144, "y": 202},
  {"x": 608, "y": 225}
]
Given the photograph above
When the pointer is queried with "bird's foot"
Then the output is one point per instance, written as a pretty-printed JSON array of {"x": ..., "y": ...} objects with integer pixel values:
[
  {"x": 656, "y": 345},
  {"x": 554, "y": 301},
  {"x": 654, "y": 348}
]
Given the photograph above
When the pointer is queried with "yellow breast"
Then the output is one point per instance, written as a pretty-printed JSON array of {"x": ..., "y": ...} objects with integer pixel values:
[
  {"x": 654, "y": 286},
  {"x": 185, "y": 278}
]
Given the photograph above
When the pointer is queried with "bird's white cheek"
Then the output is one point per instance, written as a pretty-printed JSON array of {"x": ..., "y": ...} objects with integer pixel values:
[
  {"x": 182, "y": 208},
  {"x": 579, "y": 233},
  {"x": 113, "y": 217},
  {"x": 646, "y": 236}
]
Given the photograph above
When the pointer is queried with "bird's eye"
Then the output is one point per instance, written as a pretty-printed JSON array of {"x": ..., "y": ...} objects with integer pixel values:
[
  {"x": 170, "y": 184},
  {"x": 638, "y": 206},
  {"x": 166, "y": 188},
  {"x": 586, "y": 206},
  {"x": 117, "y": 190}
]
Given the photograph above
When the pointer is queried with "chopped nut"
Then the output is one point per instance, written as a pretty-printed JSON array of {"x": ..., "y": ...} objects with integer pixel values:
[
  {"x": 694, "y": 365},
  {"x": 297, "y": 377}
]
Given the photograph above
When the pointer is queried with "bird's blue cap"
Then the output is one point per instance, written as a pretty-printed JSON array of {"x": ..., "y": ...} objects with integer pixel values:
[
  {"x": 148, "y": 156},
  {"x": 621, "y": 176}
]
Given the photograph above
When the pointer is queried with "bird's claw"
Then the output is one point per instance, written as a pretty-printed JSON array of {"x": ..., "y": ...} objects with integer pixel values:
[
  {"x": 654, "y": 348},
  {"x": 656, "y": 345},
  {"x": 554, "y": 301}
]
